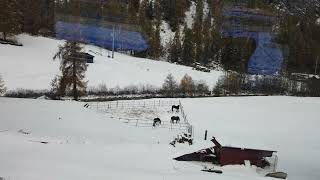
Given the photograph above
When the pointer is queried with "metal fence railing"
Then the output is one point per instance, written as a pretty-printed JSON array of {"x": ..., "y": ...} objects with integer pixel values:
[
  {"x": 112, "y": 106},
  {"x": 137, "y": 122},
  {"x": 131, "y": 104}
]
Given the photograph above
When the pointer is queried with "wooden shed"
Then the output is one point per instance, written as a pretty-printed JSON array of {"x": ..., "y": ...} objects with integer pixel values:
[
  {"x": 225, "y": 155},
  {"x": 234, "y": 155},
  {"x": 84, "y": 56}
]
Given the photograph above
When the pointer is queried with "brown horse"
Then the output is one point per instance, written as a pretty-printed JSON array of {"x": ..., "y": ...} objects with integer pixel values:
[
  {"x": 175, "y": 107},
  {"x": 175, "y": 119},
  {"x": 156, "y": 122}
]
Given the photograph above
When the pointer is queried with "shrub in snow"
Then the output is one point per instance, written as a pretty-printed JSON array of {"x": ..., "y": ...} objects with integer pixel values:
[
  {"x": 202, "y": 88},
  {"x": 187, "y": 85},
  {"x": 27, "y": 93},
  {"x": 2, "y": 87},
  {"x": 170, "y": 86}
]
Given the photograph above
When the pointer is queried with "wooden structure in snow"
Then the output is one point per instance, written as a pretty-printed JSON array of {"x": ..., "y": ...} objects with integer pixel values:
[
  {"x": 224, "y": 155},
  {"x": 233, "y": 155},
  {"x": 88, "y": 58}
]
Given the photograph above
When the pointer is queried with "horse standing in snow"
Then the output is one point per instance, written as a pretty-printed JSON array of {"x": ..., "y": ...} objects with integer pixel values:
[
  {"x": 156, "y": 122},
  {"x": 175, "y": 107},
  {"x": 175, "y": 119}
]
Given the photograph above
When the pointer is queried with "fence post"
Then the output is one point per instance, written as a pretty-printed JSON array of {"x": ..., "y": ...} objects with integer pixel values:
[
  {"x": 275, "y": 163},
  {"x": 205, "y": 135},
  {"x": 137, "y": 123}
]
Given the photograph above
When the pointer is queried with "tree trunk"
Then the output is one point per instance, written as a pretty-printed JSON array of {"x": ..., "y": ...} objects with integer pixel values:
[
  {"x": 75, "y": 92},
  {"x": 4, "y": 36}
]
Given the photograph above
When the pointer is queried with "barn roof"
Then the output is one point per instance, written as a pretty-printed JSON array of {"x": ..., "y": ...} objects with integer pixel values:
[{"x": 246, "y": 149}]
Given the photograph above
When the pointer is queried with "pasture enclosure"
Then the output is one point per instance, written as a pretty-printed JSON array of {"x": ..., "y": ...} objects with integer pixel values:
[{"x": 141, "y": 113}]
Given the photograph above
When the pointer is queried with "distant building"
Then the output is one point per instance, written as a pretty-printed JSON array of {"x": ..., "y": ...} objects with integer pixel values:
[{"x": 88, "y": 58}]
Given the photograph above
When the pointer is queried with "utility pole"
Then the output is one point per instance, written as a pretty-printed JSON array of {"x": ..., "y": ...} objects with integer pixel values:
[
  {"x": 119, "y": 38},
  {"x": 104, "y": 36},
  {"x": 113, "y": 41}
]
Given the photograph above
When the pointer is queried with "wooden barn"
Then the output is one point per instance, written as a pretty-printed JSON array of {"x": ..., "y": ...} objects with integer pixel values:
[
  {"x": 233, "y": 155},
  {"x": 224, "y": 155},
  {"x": 84, "y": 56}
]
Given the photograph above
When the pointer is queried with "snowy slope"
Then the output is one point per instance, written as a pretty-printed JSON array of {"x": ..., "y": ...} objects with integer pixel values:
[
  {"x": 32, "y": 67},
  {"x": 289, "y": 125},
  {"x": 84, "y": 144}
]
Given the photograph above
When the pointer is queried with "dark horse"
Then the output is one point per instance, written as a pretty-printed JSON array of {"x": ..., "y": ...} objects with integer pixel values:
[
  {"x": 175, "y": 107},
  {"x": 175, "y": 119},
  {"x": 156, "y": 122}
]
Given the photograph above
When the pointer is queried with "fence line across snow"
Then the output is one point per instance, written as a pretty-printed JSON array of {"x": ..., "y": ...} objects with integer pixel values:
[{"x": 133, "y": 104}]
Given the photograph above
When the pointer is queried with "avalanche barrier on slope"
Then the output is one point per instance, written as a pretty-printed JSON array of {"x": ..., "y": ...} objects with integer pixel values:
[
  {"x": 101, "y": 36},
  {"x": 267, "y": 58}
]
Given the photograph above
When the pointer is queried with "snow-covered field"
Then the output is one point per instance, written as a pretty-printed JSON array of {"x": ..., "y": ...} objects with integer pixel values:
[
  {"x": 289, "y": 125},
  {"x": 32, "y": 67},
  {"x": 85, "y": 144}
]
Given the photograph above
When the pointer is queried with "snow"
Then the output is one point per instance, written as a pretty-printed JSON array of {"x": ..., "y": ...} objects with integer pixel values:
[
  {"x": 32, "y": 67},
  {"x": 189, "y": 19},
  {"x": 288, "y": 125},
  {"x": 166, "y": 34},
  {"x": 206, "y": 9},
  {"x": 85, "y": 144}
]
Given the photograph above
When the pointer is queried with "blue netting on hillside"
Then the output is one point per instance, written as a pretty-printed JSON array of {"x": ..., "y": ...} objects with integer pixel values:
[
  {"x": 267, "y": 59},
  {"x": 101, "y": 36}
]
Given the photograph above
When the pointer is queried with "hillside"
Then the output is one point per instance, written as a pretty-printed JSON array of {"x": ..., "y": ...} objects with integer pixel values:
[
  {"x": 32, "y": 67},
  {"x": 184, "y": 74}
]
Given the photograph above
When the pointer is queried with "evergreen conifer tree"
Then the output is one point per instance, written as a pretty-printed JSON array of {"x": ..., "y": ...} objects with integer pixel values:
[
  {"x": 73, "y": 67},
  {"x": 133, "y": 9},
  {"x": 187, "y": 55},
  {"x": 207, "y": 54},
  {"x": 9, "y": 18},
  {"x": 198, "y": 31},
  {"x": 175, "y": 48}
]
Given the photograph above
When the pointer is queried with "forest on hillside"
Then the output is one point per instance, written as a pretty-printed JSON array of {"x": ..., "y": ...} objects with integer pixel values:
[{"x": 196, "y": 40}]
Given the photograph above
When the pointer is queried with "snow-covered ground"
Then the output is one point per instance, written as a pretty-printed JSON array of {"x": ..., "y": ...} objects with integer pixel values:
[
  {"x": 32, "y": 67},
  {"x": 85, "y": 144},
  {"x": 289, "y": 125},
  {"x": 190, "y": 15}
]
